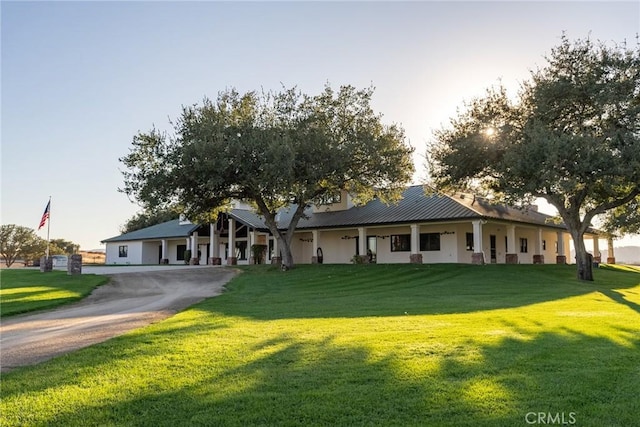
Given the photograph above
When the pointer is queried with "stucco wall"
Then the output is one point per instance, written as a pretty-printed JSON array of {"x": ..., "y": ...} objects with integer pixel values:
[{"x": 134, "y": 253}]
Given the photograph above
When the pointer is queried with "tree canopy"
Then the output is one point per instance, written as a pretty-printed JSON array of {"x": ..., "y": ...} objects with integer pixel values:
[
  {"x": 571, "y": 136},
  {"x": 18, "y": 242},
  {"x": 147, "y": 218},
  {"x": 274, "y": 149}
]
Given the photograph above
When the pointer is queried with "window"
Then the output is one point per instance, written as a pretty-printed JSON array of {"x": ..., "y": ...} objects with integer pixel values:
[
  {"x": 544, "y": 245},
  {"x": 330, "y": 199},
  {"x": 123, "y": 251},
  {"x": 400, "y": 242},
  {"x": 469, "y": 241},
  {"x": 430, "y": 242},
  {"x": 523, "y": 246},
  {"x": 241, "y": 250},
  {"x": 181, "y": 250}
]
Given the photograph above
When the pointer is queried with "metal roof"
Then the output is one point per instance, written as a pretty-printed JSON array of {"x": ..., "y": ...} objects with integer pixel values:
[
  {"x": 416, "y": 206},
  {"x": 165, "y": 230}
]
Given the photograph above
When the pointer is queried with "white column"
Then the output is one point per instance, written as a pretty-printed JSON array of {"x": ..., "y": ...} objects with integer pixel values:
[
  {"x": 415, "y": 257},
  {"x": 611, "y": 256},
  {"x": 511, "y": 239},
  {"x": 560, "y": 257},
  {"x": 415, "y": 239},
  {"x": 194, "y": 245},
  {"x": 560, "y": 243},
  {"x": 213, "y": 241},
  {"x": 538, "y": 254},
  {"x": 596, "y": 246},
  {"x": 478, "y": 253},
  {"x": 539, "y": 249},
  {"x": 232, "y": 239},
  {"x": 164, "y": 249},
  {"x": 315, "y": 243},
  {"x": 362, "y": 241},
  {"x": 477, "y": 236}
]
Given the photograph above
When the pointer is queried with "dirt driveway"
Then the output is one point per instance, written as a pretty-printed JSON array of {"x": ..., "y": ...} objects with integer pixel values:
[{"x": 128, "y": 301}]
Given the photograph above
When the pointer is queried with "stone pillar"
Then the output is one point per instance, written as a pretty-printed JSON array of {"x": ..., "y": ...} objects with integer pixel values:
[
  {"x": 478, "y": 254},
  {"x": 214, "y": 259},
  {"x": 195, "y": 259},
  {"x": 512, "y": 255},
  {"x": 538, "y": 257},
  {"x": 415, "y": 257},
  {"x": 611, "y": 256},
  {"x": 46, "y": 264},
  {"x": 561, "y": 258},
  {"x": 232, "y": 259},
  {"x": 164, "y": 259},
  {"x": 597, "y": 257},
  {"x": 74, "y": 264}
]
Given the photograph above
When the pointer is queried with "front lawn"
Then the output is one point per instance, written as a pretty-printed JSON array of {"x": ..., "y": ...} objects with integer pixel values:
[
  {"x": 28, "y": 290},
  {"x": 450, "y": 345}
]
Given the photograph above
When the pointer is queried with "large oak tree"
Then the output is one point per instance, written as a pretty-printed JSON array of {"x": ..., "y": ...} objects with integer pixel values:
[
  {"x": 572, "y": 137},
  {"x": 274, "y": 149}
]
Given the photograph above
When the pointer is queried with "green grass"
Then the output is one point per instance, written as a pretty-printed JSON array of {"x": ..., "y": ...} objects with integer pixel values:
[
  {"x": 28, "y": 290},
  {"x": 449, "y": 345}
]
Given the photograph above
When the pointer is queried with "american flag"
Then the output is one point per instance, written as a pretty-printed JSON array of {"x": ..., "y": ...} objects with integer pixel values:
[{"x": 45, "y": 215}]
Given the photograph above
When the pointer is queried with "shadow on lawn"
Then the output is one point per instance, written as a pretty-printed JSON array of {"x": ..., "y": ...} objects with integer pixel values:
[
  {"x": 393, "y": 290},
  {"x": 294, "y": 382}
]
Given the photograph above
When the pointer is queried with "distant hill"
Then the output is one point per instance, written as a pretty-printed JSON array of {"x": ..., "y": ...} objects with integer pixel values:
[{"x": 624, "y": 254}]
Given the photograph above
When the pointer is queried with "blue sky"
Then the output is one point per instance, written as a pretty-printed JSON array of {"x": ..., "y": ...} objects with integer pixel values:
[{"x": 79, "y": 79}]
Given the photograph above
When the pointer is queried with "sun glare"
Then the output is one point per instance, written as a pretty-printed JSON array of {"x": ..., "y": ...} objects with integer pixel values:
[{"x": 489, "y": 131}]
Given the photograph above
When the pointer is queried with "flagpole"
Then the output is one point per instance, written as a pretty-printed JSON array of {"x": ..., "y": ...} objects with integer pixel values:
[{"x": 48, "y": 227}]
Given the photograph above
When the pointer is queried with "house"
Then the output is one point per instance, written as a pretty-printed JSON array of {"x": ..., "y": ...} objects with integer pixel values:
[{"x": 421, "y": 228}]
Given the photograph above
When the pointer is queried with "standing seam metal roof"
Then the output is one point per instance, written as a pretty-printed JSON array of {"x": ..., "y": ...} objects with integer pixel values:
[{"x": 415, "y": 206}]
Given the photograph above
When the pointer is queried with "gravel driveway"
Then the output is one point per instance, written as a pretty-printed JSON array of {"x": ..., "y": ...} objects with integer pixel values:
[{"x": 130, "y": 300}]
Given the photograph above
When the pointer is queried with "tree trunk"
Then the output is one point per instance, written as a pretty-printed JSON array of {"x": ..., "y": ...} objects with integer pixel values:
[
  {"x": 287, "y": 256},
  {"x": 584, "y": 260}
]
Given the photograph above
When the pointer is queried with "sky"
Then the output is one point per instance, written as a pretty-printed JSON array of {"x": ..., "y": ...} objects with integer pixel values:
[{"x": 80, "y": 79}]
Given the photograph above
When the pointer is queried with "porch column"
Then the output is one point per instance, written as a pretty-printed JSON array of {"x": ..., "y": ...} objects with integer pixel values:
[
  {"x": 315, "y": 246},
  {"x": 214, "y": 259},
  {"x": 512, "y": 255},
  {"x": 478, "y": 254},
  {"x": 251, "y": 240},
  {"x": 538, "y": 257},
  {"x": 362, "y": 244},
  {"x": 195, "y": 259},
  {"x": 596, "y": 249},
  {"x": 611, "y": 256},
  {"x": 561, "y": 258},
  {"x": 232, "y": 259},
  {"x": 416, "y": 256},
  {"x": 165, "y": 258},
  {"x": 276, "y": 258}
]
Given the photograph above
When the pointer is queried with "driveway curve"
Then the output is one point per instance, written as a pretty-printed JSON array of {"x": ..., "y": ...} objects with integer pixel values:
[{"x": 130, "y": 300}]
